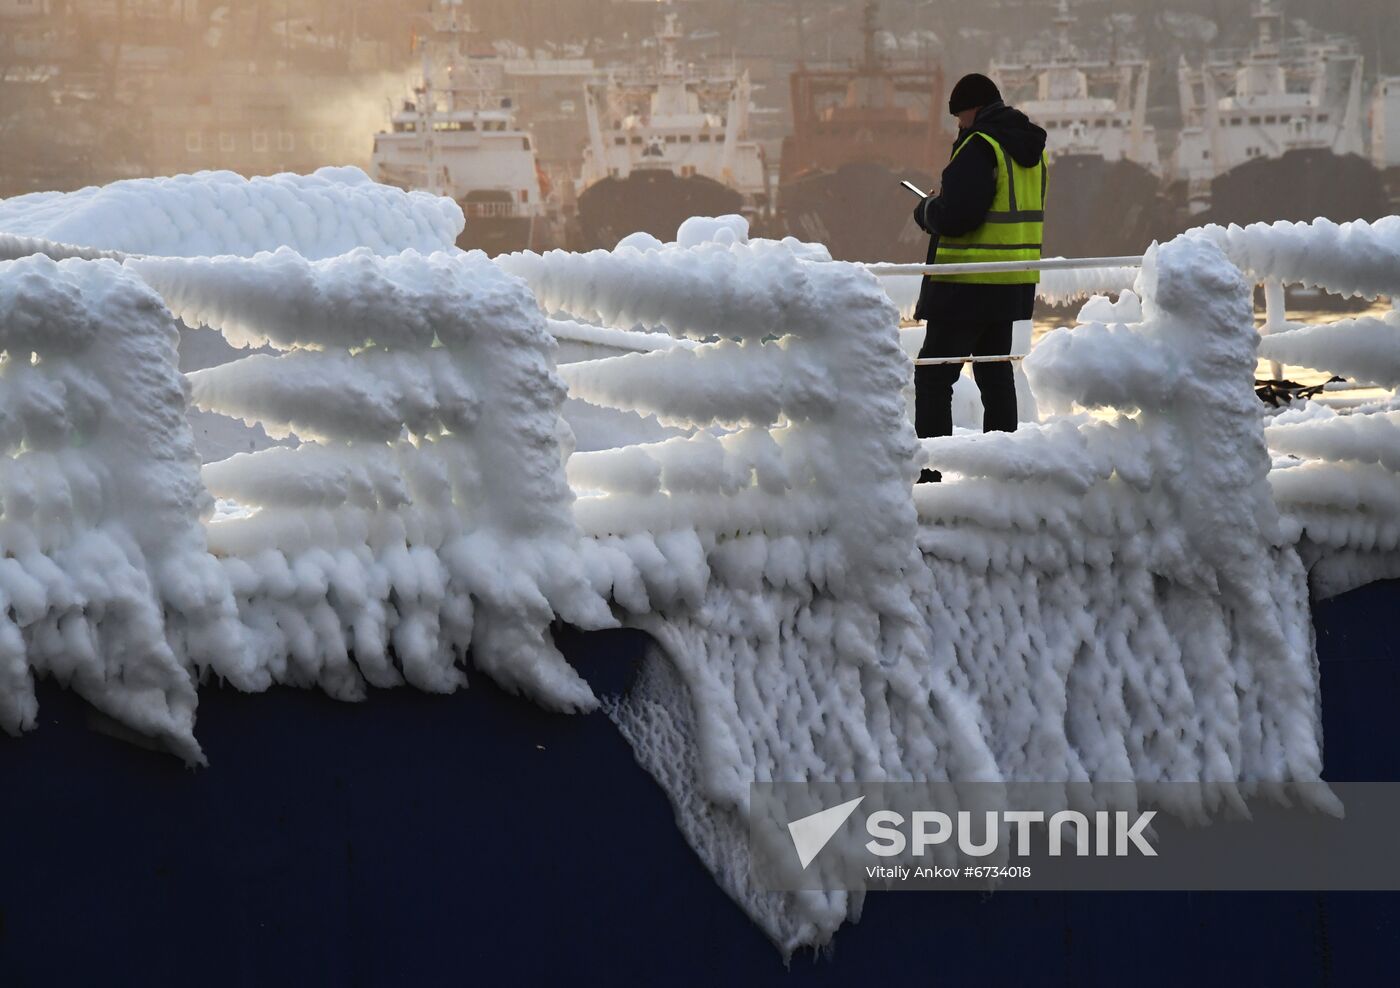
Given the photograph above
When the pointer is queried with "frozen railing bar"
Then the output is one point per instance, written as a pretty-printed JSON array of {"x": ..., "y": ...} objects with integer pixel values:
[
  {"x": 980, "y": 359},
  {"x": 321, "y": 215},
  {"x": 1356, "y": 258},
  {"x": 13, "y": 247},
  {"x": 1063, "y": 279},
  {"x": 1364, "y": 349},
  {"x": 751, "y": 384},
  {"x": 1003, "y": 267}
]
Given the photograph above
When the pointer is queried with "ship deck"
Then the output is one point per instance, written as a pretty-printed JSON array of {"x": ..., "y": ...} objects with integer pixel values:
[{"x": 431, "y": 838}]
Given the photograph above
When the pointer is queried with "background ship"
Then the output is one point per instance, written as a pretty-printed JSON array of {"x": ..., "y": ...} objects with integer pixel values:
[
  {"x": 457, "y": 136},
  {"x": 1105, "y": 196},
  {"x": 1385, "y": 135},
  {"x": 857, "y": 132},
  {"x": 666, "y": 145},
  {"x": 1276, "y": 133}
]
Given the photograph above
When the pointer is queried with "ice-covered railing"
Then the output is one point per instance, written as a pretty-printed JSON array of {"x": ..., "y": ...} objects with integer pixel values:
[
  {"x": 425, "y": 510},
  {"x": 1110, "y": 598},
  {"x": 106, "y": 582},
  {"x": 771, "y": 552},
  {"x": 1071, "y": 553},
  {"x": 1088, "y": 599},
  {"x": 1335, "y": 474},
  {"x": 1356, "y": 259},
  {"x": 330, "y": 212},
  {"x": 1062, "y": 280},
  {"x": 1337, "y": 498}
]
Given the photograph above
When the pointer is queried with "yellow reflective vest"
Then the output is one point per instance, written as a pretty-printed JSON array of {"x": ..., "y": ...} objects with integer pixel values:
[{"x": 1015, "y": 226}]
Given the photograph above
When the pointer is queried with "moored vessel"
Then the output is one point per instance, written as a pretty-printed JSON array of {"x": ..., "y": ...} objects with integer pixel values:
[
  {"x": 457, "y": 136},
  {"x": 1105, "y": 195},
  {"x": 1276, "y": 132},
  {"x": 858, "y": 131},
  {"x": 664, "y": 144}
]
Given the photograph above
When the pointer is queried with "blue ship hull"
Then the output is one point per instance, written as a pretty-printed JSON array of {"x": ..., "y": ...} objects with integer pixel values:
[{"x": 422, "y": 840}]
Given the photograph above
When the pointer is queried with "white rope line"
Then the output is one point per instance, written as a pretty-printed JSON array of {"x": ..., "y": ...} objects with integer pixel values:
[
  {"x": 1003, "y": 267},
  {"x": 981, "y": 359}
]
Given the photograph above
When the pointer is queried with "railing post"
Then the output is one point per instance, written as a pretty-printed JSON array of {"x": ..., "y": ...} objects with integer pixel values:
[{"x": 1275, "y": 319}]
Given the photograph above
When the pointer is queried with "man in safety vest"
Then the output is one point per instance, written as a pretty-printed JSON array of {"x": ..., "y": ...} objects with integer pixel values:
[{"x": 991, "y": 208}]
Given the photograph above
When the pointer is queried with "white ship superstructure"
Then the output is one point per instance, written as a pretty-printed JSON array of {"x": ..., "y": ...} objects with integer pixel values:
[
  {"x": 457, "y": 136},
  {"x": 1105, "y": 173},
  {"x": 670, "y": 119},
  {"x": 1087, "y": 106},
  {"x": 1276, "y": 97}
]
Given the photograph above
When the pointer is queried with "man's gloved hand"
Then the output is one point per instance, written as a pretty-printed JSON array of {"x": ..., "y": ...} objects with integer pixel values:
[{"x": 920, "y": 212}]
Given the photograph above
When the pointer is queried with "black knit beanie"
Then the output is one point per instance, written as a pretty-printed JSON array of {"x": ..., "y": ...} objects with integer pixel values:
[{"x": 972, "y": 90}]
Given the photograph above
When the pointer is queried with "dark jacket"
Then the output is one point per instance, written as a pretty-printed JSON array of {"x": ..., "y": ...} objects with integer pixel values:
[{"x": 969, "y": 182}]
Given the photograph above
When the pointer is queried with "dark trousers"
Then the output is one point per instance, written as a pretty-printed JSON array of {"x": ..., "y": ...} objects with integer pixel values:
[{"x": 933, "y": 386}]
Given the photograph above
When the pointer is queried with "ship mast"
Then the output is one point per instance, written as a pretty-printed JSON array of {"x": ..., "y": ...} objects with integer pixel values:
[
  {"x": 670, "y": 95},
  {"x": 1269, "y": 22},
  {"x": 871, "y": 86},
  {"x": 870, "y": 15},
  {"x": 452, "y": 33},
  {"x": 1064, "y": 23},
  {"x": 801, "y": 33}
]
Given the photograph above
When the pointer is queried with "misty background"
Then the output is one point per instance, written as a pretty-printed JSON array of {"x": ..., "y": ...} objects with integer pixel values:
[{"x": 96, "y": 90}]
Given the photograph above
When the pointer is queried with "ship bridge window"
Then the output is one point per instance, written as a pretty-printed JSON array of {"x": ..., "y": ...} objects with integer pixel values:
[
  {"x": 636, "y": 138},
  {"x": 704, "y": 138},
  {"x": 1322, "y": 118},
  {"x": 1271, "y": 119},
  {"x": 524, "y": 195},
  {"x": 620, "y": 141},
  {"x": 1117, "y": 124},
  {"x": 670, "y": 138},
  {"x": 400, "y": 127},
  {"x": 1100, "y": 124},
  {"x": 525, "y": 143},
  {"x": 1205, "y": 155},
  {"x": 1254, "y": 120},
  {"x": 685, "y": 138},
  {"x": 259, "y": 140}
]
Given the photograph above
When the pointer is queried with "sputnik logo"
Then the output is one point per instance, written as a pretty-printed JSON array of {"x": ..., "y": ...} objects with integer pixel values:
[{"x": 812, "y": 833}]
